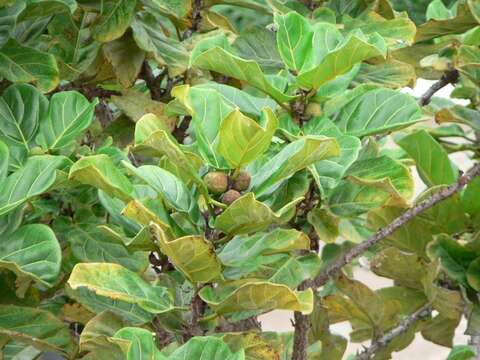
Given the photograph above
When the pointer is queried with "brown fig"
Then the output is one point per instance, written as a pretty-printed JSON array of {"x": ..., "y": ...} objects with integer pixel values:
[
  {"x": 242, "y": 181},
  {"x": 230, "y": 196},
  {"x": 217, "y": 182}
]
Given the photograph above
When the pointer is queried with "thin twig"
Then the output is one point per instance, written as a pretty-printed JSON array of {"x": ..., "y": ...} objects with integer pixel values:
[
  {"x": 382, "y": 233},
  {"x": 450, "y": 77},
  {"x": 422, "y": 313}
]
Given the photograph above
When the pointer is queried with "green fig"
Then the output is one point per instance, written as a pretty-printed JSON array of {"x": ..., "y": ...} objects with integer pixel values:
[
  {"x": 230, "y": 196},
  {"x": 242, "y": 181},
  {"x": 217, "y": 182}
]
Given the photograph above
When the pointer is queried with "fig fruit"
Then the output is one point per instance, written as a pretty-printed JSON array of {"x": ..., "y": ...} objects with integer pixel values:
[
  {"x": 230, "y": 196},
  {"x": 242, "y": 181},
  {"x": 216, "y": 181}
]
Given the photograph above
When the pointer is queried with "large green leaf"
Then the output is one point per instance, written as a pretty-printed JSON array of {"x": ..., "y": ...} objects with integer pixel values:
[
  {"x": 206, "y": 347},
  {"x": 115, "y": 282},
  {"x": 294, "y": 39},
  {"x": 391, "y": 74},
  {"x": 354, "y": 49},
  {"x": 469, "y": 196},
  {"x": 372, "y": 183},
  {"x": 69, "y": 114},
  {"x": 328, "y": 172},
  {"x": 40, "y": 8},
  {"x": 172, "y": 189},
  {"x": 209, "y": 55},
  {"x": 22, "y": 109},
  {"x": 159, "y": 143},
  {"x": 24, "y": 64},
  {"x": 90, "y": 244},
  {"x": 245, "y": 254},
  {"x": 74, "y": 48},
  {"x": 248, "y": 215},
  {"x": 377, "y": 111},
  {"x": 242, "y": 139},
  {"x": 292, "y": 158},
  {"x": 32, "y": 252},
  {"x": 433, "y": 164},
  {"x": 114, "y": 19},
  {"x": 36, "y": 327},
  {"x": 149, "y": 35},
  {"x": 208, "y": 110},
  {"x": 97, "y": 333},
  {"x": 100, "y": 172},
  {"x": 35, "y": 177},
  {"x": 194, "y": 256},
  {"x": 4, "y": 161},
  {"x": 258, "y": 296},
  {"x": 137, "y": 343}
]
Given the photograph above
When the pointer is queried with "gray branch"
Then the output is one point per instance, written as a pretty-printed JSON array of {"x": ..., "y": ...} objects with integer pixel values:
[{"x": 400, "y": 329}]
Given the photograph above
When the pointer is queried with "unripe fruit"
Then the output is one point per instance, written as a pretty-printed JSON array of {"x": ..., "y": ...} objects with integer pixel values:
[
  {"x": 242, "y": 181},
  {"x": 230, "y": 196},
  {"x": 217, "y": 182},
  {"x": 313, "y": 110}
]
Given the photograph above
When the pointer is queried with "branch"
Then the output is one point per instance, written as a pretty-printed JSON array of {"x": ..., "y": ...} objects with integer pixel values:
[
  {"x": 400, "y": 329},
  {"x": 152, "y": 82},
  {"x": 382, "y": 233},
  {"x": 300, "y": 336},
  {"x": 450, "y": 77},
  {"x": 196, "y": 18}
]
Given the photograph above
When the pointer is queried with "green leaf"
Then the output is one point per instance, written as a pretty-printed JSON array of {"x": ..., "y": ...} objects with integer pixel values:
[
  {"x": 36, "y": 327},
  {"x": 206, "y": 120},
  {"x": 114, "y": 19},
  {"x": 354, "y": 49},
  {"x": 242, "y": 139},
  {"x": 206, "y": 347},
  {"x": 69, "y": 114},
  {"x": 97, "y": 333},
  {"x": 100, "y": 172},
  {"x": 267, "y": 56},
  {"x": 463, "y": 21},
  {"x": 294, "y": 39},
  {"x": 377, "y": 111},
  {"x": 117, "y": 283},
  {"x": 247, "y": 215},
  {"x": 461, "y": 352},
  {"x": 391, "y": 74},
  {"x": 246, "y": 103},
  {"x": 32, "y": 252},
  {"x": 149, "y": 36},
  {"x": 24, "y": 64},
  {"x": 325, "y": 224},
  {"x": 35, "y": 177},
  {"x": 431, "y": 159},
  {"x": 170, "y": 188},
  {"x": 41, "y": 8},
  {"x": 22, "y": 109},
  {"x": 291, "y": 159},
  {"x": 74, "y": 48},
  {"x": 4, "y": 160},
  {"x": 412, "y": 237},
  {"x": 209, "y": 56},
  {"x": 372, "y": 183},
  {"x": 159, "y": 144},
  {"x": 138, "y": 343},
  {"x": 90, "y": 244},
  {"x": 126, "y": 59},
  {"x": 440, "y": 330},
  {"x": 458, "y": 114},
  {"x": 245, "y": 254},
  {"x": 258, "y": 296},
  {"x": 194, "y": 256},
  {"x": 469, "y": 196},
  {"x": 328, "y": 172}
]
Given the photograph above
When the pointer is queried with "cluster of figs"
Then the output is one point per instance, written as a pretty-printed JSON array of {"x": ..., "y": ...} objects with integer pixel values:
[{"x": 228, "y": 188}]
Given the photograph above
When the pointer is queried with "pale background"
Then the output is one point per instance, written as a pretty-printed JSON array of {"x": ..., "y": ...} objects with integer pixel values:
[{"x": 420, "y": 349}]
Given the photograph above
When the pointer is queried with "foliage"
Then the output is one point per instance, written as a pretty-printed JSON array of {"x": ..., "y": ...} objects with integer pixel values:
[{"x": 171, "y": 170}]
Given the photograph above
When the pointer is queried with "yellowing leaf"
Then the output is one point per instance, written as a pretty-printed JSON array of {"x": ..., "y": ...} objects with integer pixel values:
[
  {"x": 258, "y": 296},
  {"x": 242, "y": 139},
  {"x": 193, "y": 255}
]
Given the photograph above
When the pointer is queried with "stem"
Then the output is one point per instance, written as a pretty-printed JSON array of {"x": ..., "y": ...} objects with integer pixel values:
[
  {"x": 196, "y": 18},
  {"x": 382, "y": 233},
  {"x": 475, "y": 343},
  {"x": 450, "y": 77},
  {"x": 400, "y": 329}
]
